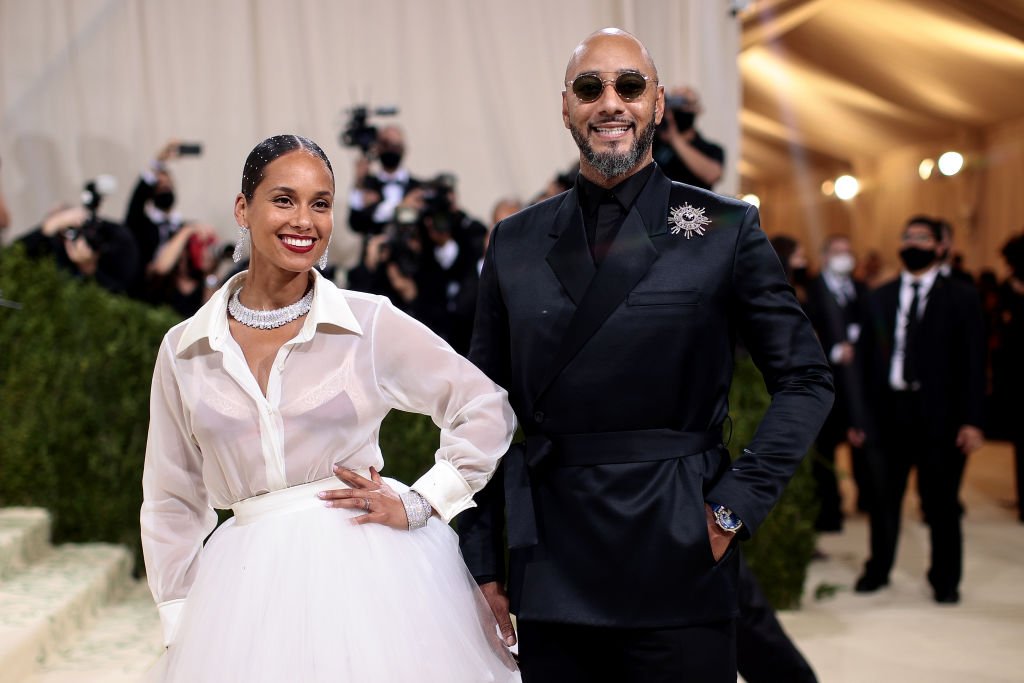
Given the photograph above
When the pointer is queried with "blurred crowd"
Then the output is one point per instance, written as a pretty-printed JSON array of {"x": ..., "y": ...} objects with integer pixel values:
[
  {"x": 421, "y": 249},
  {"x": 153, "y": 254},
  {"x": 926, "y": 365}
]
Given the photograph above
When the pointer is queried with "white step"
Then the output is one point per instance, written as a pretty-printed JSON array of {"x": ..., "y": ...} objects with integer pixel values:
[
  {"x": 45, "y": 604},
  {"x": 24, "y": 538},
  {"x": 118, "y": 647}
]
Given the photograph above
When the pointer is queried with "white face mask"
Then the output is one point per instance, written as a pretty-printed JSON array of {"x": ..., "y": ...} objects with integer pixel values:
[{"x": 841, "y": 264}]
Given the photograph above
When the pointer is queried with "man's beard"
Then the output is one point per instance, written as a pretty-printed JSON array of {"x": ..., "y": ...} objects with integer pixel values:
[{"x": 615, "y": 164}]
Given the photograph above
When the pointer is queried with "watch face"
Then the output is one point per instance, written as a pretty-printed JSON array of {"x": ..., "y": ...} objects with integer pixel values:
[{"x": 726, "y": 519}]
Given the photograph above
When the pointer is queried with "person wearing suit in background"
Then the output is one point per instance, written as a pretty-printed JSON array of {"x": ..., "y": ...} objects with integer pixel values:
[
  {"x": 794, "y": 263},
  {"x": 838, "y": 308},
  {"x": 951, "y": 264},
  {"x": 1007, "y": 362},
  {"x": 151, "y": 217},
  {"x": 610, "y": 313},
  {"x": 927, "y": 379}
]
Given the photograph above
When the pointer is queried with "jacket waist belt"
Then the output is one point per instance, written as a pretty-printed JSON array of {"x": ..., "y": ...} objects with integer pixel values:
[{"x": 539, "y": 452}]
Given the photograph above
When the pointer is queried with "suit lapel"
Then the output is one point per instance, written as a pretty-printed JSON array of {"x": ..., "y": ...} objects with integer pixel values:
[
  {"x": 885, "y": 329},
  {"x": 935, "y": 302},
  {"x": 570, "y": 257},
  {"x": 628, "y": 260}
]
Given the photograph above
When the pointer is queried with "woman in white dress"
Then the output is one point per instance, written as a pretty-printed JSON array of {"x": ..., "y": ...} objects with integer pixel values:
[{"x": 269, "y": 401}]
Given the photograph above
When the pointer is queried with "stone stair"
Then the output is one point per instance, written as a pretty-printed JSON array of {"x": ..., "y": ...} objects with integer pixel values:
[{"x": 71, "y": 612}]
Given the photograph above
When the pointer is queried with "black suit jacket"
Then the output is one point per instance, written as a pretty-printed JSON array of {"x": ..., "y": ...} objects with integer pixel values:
[
  {"x": 831, "y": 320},
  {"x": 643, "y": 343},
  {"x": 951, "y": 355}
]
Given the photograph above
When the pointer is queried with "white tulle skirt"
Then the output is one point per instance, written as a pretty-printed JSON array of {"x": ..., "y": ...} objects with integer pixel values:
[{"x": 293, "y": 591}]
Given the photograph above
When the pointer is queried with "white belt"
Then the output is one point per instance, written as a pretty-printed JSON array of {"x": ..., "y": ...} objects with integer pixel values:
[{"x": 287, "y": 500}]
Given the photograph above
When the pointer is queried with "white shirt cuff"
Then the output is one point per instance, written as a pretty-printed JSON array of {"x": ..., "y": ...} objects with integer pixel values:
[
  {"x": 445, "y": 489},
  {"x": 170, "y": 612}
]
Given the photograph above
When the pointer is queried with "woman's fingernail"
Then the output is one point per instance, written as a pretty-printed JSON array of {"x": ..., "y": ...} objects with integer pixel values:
[{"x": 322, "y": 494}]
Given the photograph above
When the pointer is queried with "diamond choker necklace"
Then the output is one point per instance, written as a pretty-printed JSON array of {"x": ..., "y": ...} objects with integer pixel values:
[{"x": 268, "y": 320}]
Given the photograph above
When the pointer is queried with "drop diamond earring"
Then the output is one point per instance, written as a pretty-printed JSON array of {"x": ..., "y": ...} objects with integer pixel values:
[
  {"x": 322, "y": 263},
  {"x": 241, "y": 244}
]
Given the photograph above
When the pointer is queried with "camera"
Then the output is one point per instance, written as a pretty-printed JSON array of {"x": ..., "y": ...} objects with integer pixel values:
[
  {"x": 92, "y": 197},
  {"x": 682, "y": 112},
  {"x": 402, "y": 246},
  {"x": 358, "y": 132},
  {"x": 437, "y": 196}
]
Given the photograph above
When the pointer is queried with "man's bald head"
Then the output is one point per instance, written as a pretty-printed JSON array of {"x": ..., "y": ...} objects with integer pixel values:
[
  {"x": 612, "y": 130},
  {"x": 392, "y": 135},
  {"x": 607, "y": 36}
]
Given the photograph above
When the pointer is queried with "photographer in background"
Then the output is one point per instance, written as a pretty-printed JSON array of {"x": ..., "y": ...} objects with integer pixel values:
[
  {"x": 453, "y": 243},
  {"x": 86, "y": 245},
  {"x": 151, "y": 218},
  {"x": 182, "y": 273},
  {"x": 681, "y": 152},
  {"x": 390, "y": 261},
  {"x": 377, "y": 193}
]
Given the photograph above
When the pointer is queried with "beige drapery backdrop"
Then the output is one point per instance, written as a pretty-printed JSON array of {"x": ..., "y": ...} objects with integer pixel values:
[{"x": 97, "y": 86}]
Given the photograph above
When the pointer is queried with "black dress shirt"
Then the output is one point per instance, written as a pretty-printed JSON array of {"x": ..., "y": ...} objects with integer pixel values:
[{"x": 605, "y": 210}]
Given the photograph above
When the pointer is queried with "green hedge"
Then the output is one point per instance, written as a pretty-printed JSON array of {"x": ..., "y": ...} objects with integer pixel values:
[
  {"x": 782, "y": 548},
  {"x": 75, "y": 370}
]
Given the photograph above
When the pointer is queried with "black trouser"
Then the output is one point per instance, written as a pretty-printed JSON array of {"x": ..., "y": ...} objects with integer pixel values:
[
  {"x": 567, "y": 653},
  {"x": 940, "y": 468},
  {"x": 823, "y": 468}
]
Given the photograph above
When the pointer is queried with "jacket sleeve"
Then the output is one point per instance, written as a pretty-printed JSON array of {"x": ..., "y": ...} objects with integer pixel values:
[
  {"x": 482, "y": 529},
  {"x": 176, "y": 515},
  {"x": 142, "y": 193},
  {"x": 972, "y": 400},
  {"x": 784, "y": 348}
]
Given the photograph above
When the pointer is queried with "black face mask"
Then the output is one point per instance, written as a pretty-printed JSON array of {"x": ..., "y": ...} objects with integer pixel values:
[
  {"x": 684, "y": 119},
  {"x": 799, "y": 275},
  {"x": 390, "y": 160},
  {"x": 163, "y": 200},
  {"x": 916, "y": 258}
]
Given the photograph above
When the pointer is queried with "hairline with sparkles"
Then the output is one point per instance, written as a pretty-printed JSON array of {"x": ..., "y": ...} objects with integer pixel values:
[{"x": 303, "y": 143}]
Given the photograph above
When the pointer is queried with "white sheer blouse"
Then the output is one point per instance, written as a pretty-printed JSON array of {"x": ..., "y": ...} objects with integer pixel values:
[{"x": 215, "y": 439}]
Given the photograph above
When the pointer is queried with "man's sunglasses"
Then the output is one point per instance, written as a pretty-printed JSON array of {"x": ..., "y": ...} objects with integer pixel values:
[{"x": 629, "y": 85}]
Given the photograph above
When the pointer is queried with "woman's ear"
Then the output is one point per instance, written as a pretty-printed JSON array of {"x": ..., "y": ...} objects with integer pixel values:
[{"x": 241, "y": 206}]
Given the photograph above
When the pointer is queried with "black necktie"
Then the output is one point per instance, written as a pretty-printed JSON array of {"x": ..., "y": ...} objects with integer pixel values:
[
  {"x": 910, "y": 375},
  {"x": 605, "y": 228},
  {"x": 849, "y": 291}
]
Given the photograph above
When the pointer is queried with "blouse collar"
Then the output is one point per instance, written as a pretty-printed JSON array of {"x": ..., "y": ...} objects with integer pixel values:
[{"x": 330, "y": 307}]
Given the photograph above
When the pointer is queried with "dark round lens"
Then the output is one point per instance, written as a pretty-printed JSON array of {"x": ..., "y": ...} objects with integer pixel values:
[
  {"x": 587, "y": 87},
  {"x": 630, "y": 86}
]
